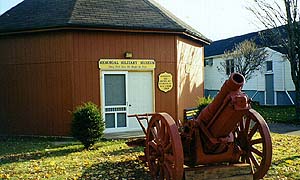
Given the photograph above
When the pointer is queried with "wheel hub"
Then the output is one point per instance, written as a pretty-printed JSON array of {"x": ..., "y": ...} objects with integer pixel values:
[{"x": 243, "y": 142}]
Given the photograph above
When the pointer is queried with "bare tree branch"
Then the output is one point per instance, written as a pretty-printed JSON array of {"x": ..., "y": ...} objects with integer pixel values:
[
  {"x": 248, "y": 59},
  {"x": 284, "y": 25}
]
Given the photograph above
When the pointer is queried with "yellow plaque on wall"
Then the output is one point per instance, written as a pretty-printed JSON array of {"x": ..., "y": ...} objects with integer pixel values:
[
  {"x": 126, "y": 64},
  {"x": 165, "y": 82}
]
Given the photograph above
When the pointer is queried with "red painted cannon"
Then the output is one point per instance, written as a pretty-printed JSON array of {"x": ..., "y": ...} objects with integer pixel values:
[{"x": 227, "y": 130}]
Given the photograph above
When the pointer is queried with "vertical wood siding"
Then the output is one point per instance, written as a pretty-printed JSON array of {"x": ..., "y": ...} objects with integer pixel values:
[
  {"x": 35, "y": 83},
  {"x": 44, "y": 76},
  {"x": 190, "y": 74},
  {"x": 90, "y": 46}
]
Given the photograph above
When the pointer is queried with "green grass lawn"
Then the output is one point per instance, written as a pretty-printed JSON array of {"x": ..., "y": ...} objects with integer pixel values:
[
  {"x": 286, "y": 157},
  {"x": 48, "y": 158}
]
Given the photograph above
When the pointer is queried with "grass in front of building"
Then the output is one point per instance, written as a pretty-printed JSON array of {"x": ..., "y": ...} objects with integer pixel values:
[
  {"x": 48, "y": 158},
  {"x": 277, "y": 114}
]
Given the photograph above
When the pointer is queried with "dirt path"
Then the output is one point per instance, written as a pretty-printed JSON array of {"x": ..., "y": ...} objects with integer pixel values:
[{"x": 281, "y": 128}]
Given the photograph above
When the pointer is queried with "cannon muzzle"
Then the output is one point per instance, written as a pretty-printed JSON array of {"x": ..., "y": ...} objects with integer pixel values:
[{"x": 234, "y": 83}]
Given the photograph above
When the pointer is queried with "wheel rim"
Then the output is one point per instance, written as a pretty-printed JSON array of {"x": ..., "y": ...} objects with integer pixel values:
[
  {"x": 164, "y": 151},
  {"x": 253, "y": 136}
]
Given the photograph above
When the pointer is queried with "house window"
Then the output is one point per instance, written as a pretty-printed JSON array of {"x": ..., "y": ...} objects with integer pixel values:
[
  {"x": 229, "y": 66},
  {"x": 269, "y": 66},
  {"x": 208, "y": 62}
]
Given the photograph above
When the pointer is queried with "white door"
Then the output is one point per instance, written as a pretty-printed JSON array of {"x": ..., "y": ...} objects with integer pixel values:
[
  {"x": 140, "y": 96},
  {"x": 114, "y": 102}
]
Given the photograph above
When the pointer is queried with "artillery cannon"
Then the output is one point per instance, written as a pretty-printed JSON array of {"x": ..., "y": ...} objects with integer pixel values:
[{"x": 227, "y": 130}]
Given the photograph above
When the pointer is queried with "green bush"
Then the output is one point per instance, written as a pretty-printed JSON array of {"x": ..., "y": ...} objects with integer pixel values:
[
  {"x": 87, "y": 124},
  {"x": 202, "y": 103}
]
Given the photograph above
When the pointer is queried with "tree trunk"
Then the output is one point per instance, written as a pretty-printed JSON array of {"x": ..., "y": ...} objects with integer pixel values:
[
  {"x": 297, "y": 103},
  {"x": 293, "y": 42}
]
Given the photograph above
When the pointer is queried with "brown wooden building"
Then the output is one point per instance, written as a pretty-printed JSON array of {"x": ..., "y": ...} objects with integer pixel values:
[{"x": 55, "y": 55}]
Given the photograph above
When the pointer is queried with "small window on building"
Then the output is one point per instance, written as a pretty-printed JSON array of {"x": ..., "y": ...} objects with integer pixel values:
[
  {"x": 269, "y": 66},
  {"x": 208, "y": 62},
  {"x": 229, "y": 66}
]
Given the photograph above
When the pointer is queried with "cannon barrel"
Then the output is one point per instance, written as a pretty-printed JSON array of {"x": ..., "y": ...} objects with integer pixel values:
[
  {"x": 221, "y": 116},
  {"x": 234, "y": 83}
]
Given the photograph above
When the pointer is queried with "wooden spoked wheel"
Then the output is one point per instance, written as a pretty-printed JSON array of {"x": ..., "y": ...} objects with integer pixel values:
[
  {"x": 164, "y": 151},
  {"x": 253, "y": 137}
]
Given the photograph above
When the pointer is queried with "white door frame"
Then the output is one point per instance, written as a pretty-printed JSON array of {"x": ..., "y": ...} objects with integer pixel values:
[{"x": 118, "y": 107}]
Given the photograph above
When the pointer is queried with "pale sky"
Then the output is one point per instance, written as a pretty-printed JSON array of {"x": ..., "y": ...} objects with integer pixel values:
[{"x": 215, "y": 19}]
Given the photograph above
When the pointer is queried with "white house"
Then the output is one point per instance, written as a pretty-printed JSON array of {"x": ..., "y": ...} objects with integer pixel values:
[{"x": 272, "y": 86}]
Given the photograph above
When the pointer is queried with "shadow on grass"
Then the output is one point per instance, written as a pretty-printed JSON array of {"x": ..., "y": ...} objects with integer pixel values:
[
  {"x": 281, "y": 161},
  {"x": 125, "y": 151},
  {"x": 20, "y": 149},
  {"x": 23, "y": 144},
  {"x": 119, "y": 168},
  {"x": 131, "y": 169}
]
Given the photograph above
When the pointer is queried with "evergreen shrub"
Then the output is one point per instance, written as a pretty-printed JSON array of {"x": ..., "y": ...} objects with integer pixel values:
[
  {"x": 202, "y": 103},
  {"x": 87, "y": 124}
]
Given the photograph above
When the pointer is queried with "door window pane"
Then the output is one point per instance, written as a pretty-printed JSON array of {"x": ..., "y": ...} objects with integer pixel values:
[
  {"x": 115, "y": 91},
  {"x": 121, "y": 119},
  {"x": 110, "y": 120}
]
